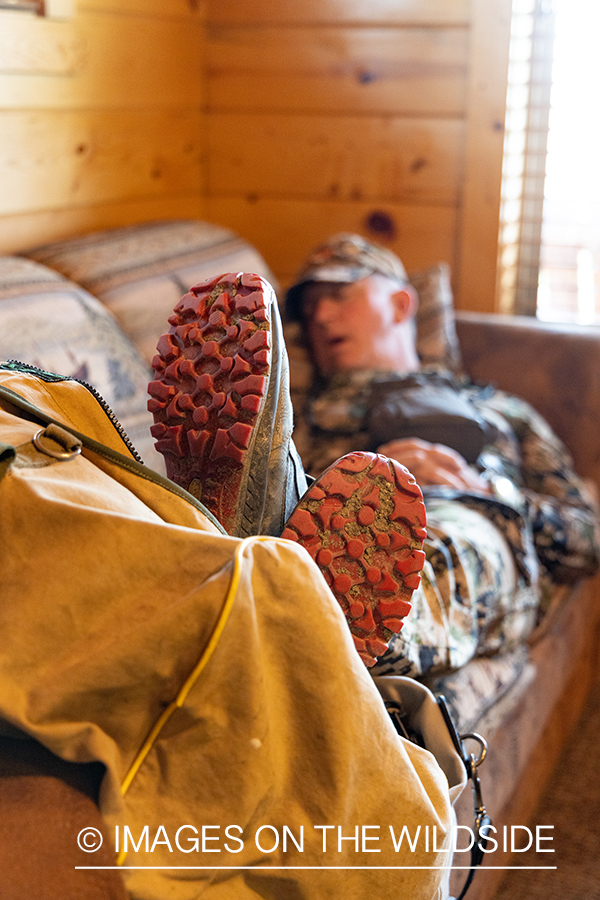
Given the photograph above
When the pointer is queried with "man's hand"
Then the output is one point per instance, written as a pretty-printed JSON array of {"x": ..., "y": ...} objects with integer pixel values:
[{"x": 435, "y": 464}]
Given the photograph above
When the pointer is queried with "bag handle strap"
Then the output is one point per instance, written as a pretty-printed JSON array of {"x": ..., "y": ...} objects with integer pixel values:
[
  {"x": 126, "y": 462},
  {"x": 482, "y": 821}
]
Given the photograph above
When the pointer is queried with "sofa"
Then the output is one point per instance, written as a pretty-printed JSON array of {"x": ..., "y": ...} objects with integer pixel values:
[{"x": 93, "y": 307}]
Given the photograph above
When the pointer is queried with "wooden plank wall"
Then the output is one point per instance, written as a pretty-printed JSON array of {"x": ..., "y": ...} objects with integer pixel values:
[
  {"x": 101, "y": 118},
  {"x": 383, "y": 117},
  {"x": 287, "y": 121}
]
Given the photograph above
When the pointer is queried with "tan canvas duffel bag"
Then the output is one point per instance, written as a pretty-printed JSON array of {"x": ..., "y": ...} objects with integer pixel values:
[{"x": 247, "y": 752}]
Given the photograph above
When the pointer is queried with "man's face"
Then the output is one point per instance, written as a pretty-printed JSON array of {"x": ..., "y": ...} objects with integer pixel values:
[{"x": 349, "y": 326}]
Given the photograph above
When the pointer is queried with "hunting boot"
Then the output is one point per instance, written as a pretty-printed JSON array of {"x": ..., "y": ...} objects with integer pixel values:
[
  {"x": 221, "y": 405},
  {"x": 363, "y": 523}
]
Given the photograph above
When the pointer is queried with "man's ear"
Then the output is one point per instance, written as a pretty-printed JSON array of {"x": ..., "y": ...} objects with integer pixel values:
[{"x": 405, "y": 302}]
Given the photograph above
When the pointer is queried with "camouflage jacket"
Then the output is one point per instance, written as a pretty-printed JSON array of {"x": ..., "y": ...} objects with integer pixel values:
[{"x": 530, "y": 469}]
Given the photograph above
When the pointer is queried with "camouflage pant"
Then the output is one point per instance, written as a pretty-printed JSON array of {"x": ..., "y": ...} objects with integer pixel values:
[
  {"x": 491, "y": 564},
  {"x": 473, "y": 598}
]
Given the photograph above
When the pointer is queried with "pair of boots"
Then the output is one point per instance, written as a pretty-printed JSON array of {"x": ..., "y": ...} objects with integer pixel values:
[{"x": 223, "y": 421}]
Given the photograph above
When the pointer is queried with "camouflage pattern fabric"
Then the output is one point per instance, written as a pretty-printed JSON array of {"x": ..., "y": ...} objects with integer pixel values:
[{"x": 492, "y": 561}]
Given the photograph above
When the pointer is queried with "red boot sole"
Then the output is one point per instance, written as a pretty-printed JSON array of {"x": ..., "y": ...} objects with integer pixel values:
[
  {"x": 363, "y": 523},
  {"x": 211, "y": 379}
]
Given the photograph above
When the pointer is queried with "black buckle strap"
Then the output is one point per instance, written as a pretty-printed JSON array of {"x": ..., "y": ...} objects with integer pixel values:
[{"x": 482, "y": 821}]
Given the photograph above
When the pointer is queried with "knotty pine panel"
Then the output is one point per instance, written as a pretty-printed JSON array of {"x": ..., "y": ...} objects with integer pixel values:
[
  {"x": 343, "y": 158},
  {"x": 32, "y": 44},
  {"x": 62, "y": 158},
  {"x": 398, "y": 12},
  {"x": 284, "y": 231},
  {"x": 17, "y": 233},
  {"x": 419, "y": 71},
  {"x": 476, "y": 265},
  {"x": 180, "y": 8},
  {"x": 111, "y": 61}
]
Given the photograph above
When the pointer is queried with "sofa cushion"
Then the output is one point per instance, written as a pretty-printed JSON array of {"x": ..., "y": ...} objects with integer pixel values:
[
  {"x": 51, "y": 323},
  {"x": 437, "y": 342},
  {"x": 140, "y": 271},
  {"x": 475, "y": 691}
]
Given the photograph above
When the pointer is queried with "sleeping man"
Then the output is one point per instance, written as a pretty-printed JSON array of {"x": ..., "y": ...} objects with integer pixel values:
[{"x": 506, "y": 514}]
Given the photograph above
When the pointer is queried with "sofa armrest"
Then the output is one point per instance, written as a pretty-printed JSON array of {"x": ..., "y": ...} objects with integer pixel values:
[{"x": 554, "y": 367}]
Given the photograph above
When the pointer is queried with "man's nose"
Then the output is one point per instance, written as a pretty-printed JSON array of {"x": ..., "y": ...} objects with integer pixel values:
[{"x": 325, "y": 310}]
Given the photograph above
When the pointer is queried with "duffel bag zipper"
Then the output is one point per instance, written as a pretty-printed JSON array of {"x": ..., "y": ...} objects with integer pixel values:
[
  {"x": 135, "y": 465},
  {"x": 15, "y": 366}
]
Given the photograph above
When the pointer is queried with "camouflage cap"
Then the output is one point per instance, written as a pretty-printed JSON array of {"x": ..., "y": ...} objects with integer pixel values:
[{"x": 344, "y": 258}]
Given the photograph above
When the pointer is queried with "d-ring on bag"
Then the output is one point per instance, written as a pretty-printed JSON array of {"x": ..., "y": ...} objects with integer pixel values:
[{"x": 247, "y": 751}]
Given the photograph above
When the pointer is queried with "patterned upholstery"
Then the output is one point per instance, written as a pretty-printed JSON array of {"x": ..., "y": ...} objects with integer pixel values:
[
  {"x": 473, "y": 692},
  {"x": 437, "y": 343},
  {"x": 54, "y": 324},
  {"x": 139, "y": 272}
]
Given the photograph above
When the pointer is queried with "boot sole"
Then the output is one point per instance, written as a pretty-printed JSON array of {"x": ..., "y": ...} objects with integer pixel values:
[
  {"x": 363, "y": 523},
  {"x": 213, "y": 386}
]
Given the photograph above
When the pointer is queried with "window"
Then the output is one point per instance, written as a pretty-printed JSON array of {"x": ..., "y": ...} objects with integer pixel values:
[
  {"x": 569, "y": 281},
  {"x": 53, "y": 9},
  {"x": 526, "y": 137},
  {"x": 36, "y": 6},
  {"x": 549, "y": 263}
]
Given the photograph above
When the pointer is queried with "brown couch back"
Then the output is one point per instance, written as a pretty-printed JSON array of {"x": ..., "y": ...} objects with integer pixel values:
[{"x": 555, "y": 367}]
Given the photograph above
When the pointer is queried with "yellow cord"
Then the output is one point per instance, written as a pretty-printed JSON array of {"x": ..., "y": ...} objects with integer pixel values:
[{"x": 193, "y": 676}]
